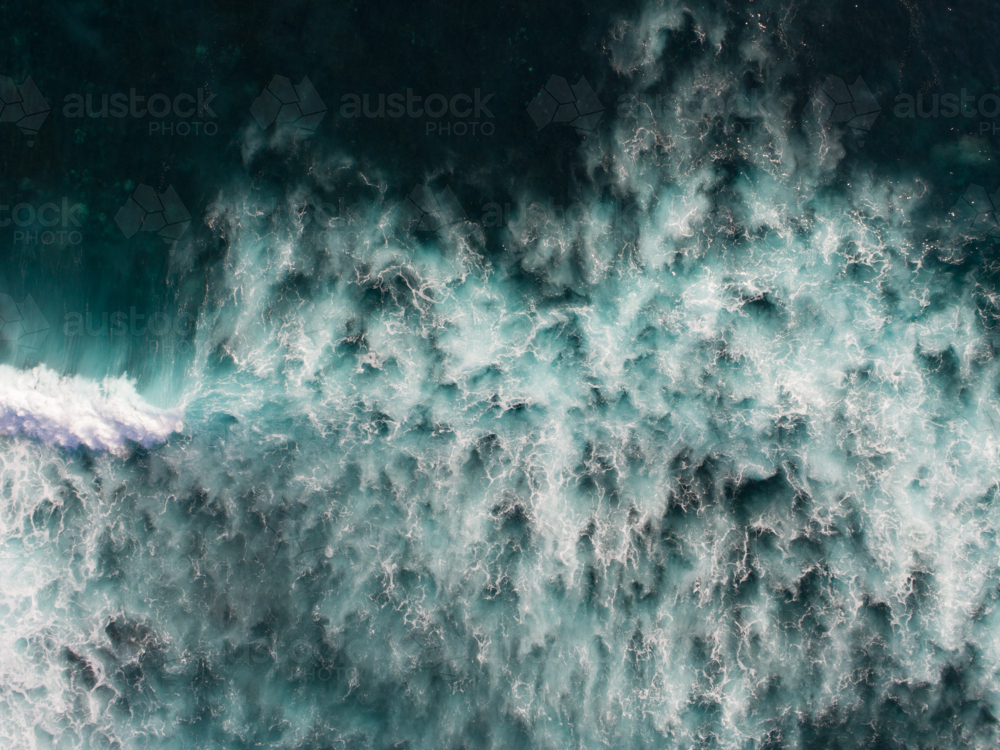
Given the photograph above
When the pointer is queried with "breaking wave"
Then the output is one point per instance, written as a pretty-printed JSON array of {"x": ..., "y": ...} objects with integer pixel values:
[{"x": 73, "y": 411}]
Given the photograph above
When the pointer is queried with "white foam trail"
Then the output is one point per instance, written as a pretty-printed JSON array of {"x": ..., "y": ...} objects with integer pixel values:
[{"x": 75, "y": 411}]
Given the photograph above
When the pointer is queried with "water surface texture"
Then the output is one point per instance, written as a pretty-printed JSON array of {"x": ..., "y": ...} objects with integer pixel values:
[{"x": 645, "y": 397}]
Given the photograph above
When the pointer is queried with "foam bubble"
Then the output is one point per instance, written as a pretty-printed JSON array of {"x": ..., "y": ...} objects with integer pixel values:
[{"x": 74, "y": 411}]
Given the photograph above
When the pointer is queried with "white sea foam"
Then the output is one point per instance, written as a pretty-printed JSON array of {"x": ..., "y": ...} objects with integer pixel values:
[
  {"x": 741, "y": 484},
  {"x": 75, "y": 411}
]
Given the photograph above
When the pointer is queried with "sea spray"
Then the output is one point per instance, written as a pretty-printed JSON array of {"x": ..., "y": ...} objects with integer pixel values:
[
  {"x": 709, "y": 461},
  {"x": 73, "y": 411}
]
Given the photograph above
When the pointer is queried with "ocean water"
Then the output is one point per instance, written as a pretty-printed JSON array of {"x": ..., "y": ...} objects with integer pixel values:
[{"x": 672, "y": 427}]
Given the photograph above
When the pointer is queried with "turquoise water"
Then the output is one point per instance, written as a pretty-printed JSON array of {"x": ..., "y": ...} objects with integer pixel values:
[{"x": 691, "y": 444}]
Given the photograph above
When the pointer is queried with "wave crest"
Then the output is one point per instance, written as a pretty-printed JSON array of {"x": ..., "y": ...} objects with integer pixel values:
[{"x": 75, "y": 411}]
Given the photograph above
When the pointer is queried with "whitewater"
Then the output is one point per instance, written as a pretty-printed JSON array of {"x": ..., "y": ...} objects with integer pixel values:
[
  {"x": 73, "y": 411},
  {"x": 710, "y": 461}
]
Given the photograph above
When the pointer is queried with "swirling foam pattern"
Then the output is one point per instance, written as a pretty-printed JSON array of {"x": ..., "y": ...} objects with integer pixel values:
[{"x": 726, "y": 478}]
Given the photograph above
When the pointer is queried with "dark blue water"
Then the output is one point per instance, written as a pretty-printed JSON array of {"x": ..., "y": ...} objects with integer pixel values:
[{"x": 525, "y": 375}]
